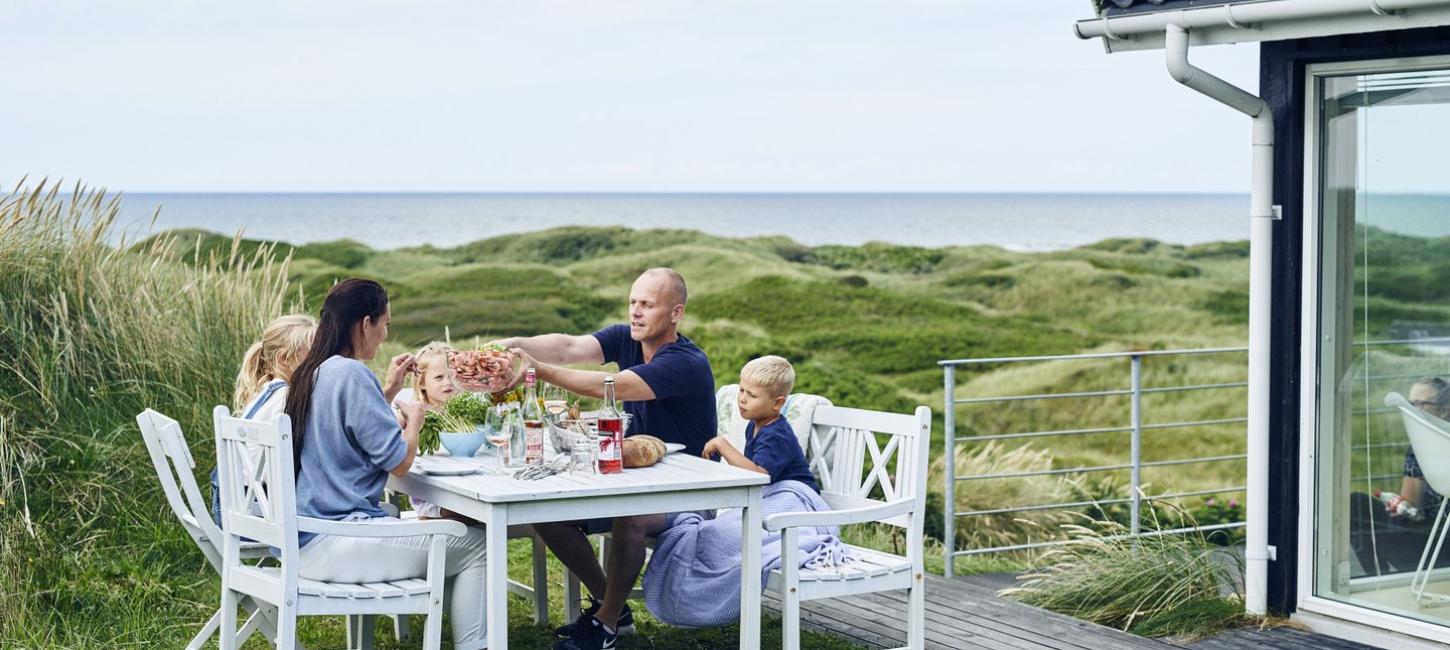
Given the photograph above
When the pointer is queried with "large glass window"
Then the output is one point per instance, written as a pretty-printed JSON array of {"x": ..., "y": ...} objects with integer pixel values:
[{"x": 1384, "y": 259}]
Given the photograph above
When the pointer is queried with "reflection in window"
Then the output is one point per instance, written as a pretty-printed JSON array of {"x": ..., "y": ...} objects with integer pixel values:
[{"x": 1384, "y": 209}]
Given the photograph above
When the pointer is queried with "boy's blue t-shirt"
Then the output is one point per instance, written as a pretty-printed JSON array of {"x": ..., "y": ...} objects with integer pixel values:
[
  {"x": 776, "y": 449},
  {"x": 683, "y": 409},
  {"x": 351, "y": 442}
]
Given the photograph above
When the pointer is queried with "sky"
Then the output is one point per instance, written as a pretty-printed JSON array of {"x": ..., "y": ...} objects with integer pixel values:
[{"x": 617, "y": 96}]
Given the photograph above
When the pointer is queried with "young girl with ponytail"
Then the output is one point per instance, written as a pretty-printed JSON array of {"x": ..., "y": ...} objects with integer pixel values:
[{"x": 262, "y": 382}]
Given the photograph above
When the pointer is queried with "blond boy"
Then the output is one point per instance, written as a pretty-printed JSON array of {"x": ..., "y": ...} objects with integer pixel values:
[{"x": 770, "y": 444}]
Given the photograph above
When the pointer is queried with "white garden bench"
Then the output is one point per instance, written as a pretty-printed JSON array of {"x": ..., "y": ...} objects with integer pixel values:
[{"x": 871, "y": 467}]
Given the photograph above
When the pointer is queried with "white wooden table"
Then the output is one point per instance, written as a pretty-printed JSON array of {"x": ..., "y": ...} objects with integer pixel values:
[{"x": 678, "y": 483}]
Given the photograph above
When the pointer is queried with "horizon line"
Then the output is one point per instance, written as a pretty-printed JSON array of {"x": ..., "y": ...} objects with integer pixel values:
[{"x": 688, "y": 192}]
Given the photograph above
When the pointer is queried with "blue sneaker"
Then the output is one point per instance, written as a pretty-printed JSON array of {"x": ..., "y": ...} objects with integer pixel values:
[{"x": 593, "y": 636}]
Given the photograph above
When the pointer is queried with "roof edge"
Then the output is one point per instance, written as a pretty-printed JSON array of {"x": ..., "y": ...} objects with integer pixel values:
[{"x": 1263, "y": 20}]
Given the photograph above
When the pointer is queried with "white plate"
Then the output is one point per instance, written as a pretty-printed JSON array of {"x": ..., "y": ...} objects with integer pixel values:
[
  {"x": 444, "y": 467},
  {"x": 672, "y": 447}
]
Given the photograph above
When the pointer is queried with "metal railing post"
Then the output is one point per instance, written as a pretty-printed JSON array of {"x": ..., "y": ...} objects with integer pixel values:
[
  {"x": 1135, "y": 483},
  {"x": 949, "y": 424}
]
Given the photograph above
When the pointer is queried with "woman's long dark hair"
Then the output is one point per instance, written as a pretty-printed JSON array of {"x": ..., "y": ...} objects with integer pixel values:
[{"x": 346, "y": 305}]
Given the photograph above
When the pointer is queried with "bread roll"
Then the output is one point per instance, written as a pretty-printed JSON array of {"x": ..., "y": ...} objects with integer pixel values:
[{"x": 643, "y": 451}]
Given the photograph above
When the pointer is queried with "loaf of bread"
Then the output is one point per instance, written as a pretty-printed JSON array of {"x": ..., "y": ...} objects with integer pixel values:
[{"x": 643, "y": 451}]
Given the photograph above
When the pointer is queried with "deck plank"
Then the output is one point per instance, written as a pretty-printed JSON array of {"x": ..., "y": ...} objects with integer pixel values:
[
  {"x": 968, "y": 615},
  {"x": 961, "y": 617},
  {"x": 1007, "y": 635},
  {"x": 1279, "y": 638}
]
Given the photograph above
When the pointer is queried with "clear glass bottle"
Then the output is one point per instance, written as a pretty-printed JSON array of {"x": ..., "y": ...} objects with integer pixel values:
[{"x": 533, "y": 417}]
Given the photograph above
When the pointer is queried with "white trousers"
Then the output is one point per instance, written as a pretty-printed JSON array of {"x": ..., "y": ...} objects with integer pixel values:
[{"x": 335, "y": 558}]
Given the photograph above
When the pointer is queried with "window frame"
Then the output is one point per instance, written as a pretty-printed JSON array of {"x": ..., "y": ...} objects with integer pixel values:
[{"x": 1311, "y": 334}]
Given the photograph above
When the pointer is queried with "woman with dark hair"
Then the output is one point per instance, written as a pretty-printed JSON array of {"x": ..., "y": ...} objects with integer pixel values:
[{"x": 347, "y": 440}]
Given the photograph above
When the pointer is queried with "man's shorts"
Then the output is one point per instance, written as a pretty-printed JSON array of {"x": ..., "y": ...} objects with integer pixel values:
[{"x": 596, "y": 526}]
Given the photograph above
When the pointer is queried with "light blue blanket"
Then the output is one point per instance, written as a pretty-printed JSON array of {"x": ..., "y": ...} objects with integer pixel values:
[{"x": 693, "y": 579}]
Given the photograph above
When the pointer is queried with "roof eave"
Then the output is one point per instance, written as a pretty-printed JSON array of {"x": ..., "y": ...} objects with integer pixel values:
[{"x": 1265, "y": 20}]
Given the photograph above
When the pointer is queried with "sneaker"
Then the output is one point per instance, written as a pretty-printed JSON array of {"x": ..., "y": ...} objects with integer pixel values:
[
  {"x": 622, "y": 627},
  {"x": 590, "y": 636}
]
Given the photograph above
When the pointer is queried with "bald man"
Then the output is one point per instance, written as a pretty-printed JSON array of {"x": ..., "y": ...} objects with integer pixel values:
[{"x": 666, "y": 385}]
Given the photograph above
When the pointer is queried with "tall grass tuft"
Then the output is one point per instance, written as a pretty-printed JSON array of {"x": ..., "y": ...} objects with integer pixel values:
[
  {"x": 1154, "y": 585},
  {"x": 1007, "y": 528},
  {"x": 92, "y": 331}
]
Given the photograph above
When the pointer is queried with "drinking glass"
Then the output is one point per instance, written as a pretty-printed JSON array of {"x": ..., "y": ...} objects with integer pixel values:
[
  {"x": 514, "y": 425},
  {"x": 556, "y": 401},
  {"x": 582, "y": 456},
  {"x": 498, "y": 436}
]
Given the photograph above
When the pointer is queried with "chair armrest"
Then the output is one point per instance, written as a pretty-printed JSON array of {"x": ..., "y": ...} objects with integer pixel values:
[
  {"x": 370, "y": 529},
  {"x": 781, "y": 520}
]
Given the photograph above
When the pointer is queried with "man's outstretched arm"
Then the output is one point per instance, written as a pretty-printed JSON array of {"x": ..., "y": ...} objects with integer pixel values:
[{"x": 558, "y": 348}]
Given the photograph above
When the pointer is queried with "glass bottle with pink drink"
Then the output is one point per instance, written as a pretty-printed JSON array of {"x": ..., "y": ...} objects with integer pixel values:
[{"x": 611, "y": 432}]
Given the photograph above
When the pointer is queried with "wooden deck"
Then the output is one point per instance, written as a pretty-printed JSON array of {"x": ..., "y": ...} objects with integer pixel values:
[
  {"x": 1283, "y": 638},
  {"x": 962, "y": 616},
  {"x": 967, "y": 614}
]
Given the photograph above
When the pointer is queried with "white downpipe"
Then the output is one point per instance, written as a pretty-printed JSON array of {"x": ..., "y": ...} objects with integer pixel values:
[{"x": 1261, "y": 213}]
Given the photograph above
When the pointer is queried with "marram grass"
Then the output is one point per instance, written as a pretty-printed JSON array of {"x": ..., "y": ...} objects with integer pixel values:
[
  {"x": 1159, "y": 585},
  {"x": 92, "y": 331}
]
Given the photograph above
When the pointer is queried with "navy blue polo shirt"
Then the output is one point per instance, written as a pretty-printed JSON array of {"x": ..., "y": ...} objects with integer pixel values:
[
  {"x": 776, "y": 449},
  {"x": 683, "y": 409}
]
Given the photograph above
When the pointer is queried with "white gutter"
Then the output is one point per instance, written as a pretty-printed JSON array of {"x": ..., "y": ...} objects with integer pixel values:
[
  {"x": 1261, "y": 261},
  {"x": 1263, "y": 20}
]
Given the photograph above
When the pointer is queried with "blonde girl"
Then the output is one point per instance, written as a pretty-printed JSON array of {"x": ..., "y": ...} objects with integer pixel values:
[
  {"x": 267, "y": 366},
  {"x": 431, "y": 385}
]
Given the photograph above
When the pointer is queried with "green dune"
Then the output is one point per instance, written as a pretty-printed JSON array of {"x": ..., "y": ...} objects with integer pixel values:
[{"x": 91, "y": 335}]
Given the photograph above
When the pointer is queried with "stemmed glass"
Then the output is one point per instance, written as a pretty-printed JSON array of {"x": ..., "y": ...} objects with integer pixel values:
[
  {"x": 500, "y": 436},
  {"x": 556, "y": 401}
]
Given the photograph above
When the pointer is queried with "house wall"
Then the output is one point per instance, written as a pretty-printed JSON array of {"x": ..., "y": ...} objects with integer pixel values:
[{"x": 1281, "y": 84}]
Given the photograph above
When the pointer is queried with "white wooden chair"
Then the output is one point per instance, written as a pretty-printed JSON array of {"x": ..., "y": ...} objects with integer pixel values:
[
  {"x": 537, "y": 593},
  {"x": 838, "y": 443},
  {"x": 175, "y": 468},
  {"x": 270, "y": 516},
  {"x": 845, "y": 450},
  {"x": 1430, "y": 439}
]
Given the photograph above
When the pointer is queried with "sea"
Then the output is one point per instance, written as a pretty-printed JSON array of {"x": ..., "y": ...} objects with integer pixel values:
[{"x": 1024, "y": 222}]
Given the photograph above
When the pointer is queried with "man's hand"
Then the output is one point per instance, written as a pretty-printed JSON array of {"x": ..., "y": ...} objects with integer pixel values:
[
  {"x": 398, "y": 369},
  {"x": 525, "y": 360},
  {"x": 522, "y": 362},
  {"x": 507, "y": 344}
]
